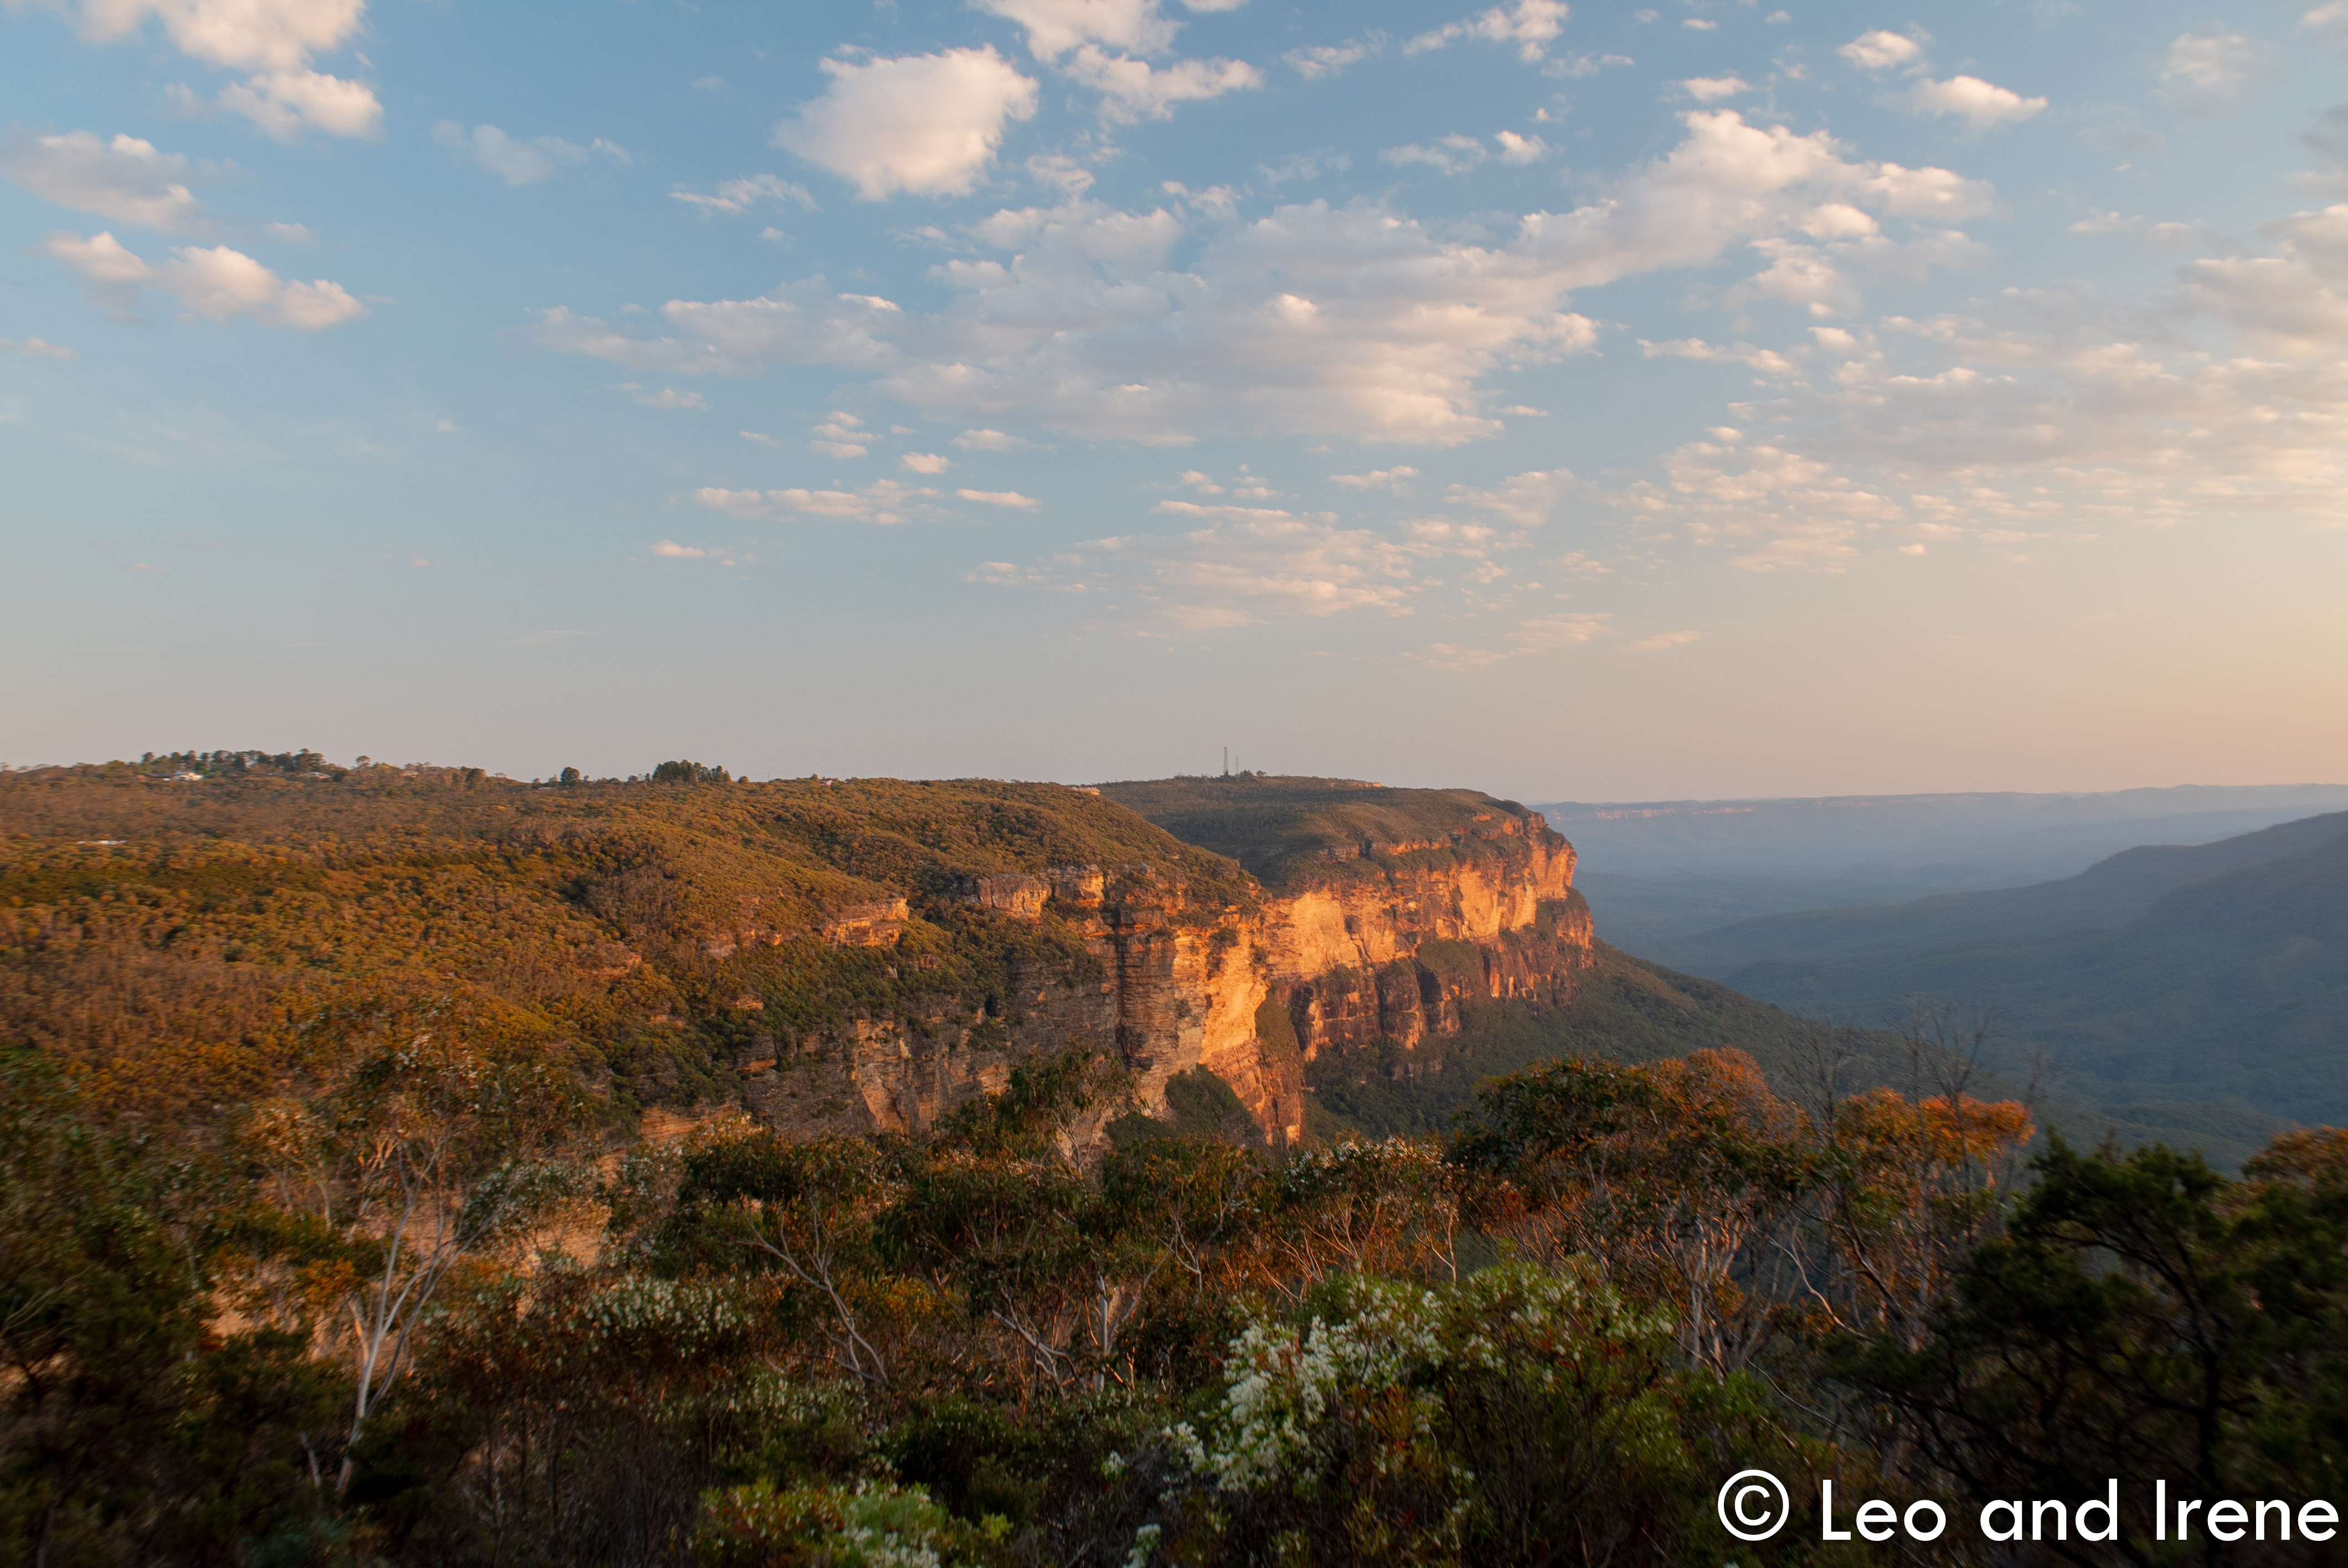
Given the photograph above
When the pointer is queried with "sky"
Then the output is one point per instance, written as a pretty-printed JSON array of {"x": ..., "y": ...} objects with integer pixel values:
[{"x": 1713, "y": 399}]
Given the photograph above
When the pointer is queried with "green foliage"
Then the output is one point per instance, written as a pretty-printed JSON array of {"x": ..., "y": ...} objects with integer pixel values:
[
  {"x": 2143, "y": 1316},
  {"x": 127, "y": 1432},
  {"x": 1290, "y": 833},
  {"x": 178, "y": 946},
  {"x": 869, "y": 1526},
  {"x": 1520, "y": 1416},
  {"x": 676, "y": 773}
]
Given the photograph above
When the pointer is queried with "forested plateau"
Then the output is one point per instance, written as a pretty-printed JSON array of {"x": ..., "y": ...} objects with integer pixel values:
[{"x": 412, "y": 1165}]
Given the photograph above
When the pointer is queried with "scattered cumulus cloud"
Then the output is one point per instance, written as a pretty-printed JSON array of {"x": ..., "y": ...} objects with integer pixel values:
[
  {"x": 273, "y": 40},
  {"x": 1539, "y": 634},
  {"x": 924, "y": 463},
  {"x": 1663, "y": 640},
  {"x": 1712, "y": 89},
  {"x": 284, "y": 104},
  {"x": 1396, "y": 479},
  {"x": 989, "y": 441},
  {"x": 737, "y": 196},
  {"x": 214, "y": 282},
  {"x": 1453, "y": 154},
  {"x": 125, "y": 180},
  {"x": 840, "y": 436},
  {"x": 516, "y": 162},
  {"x": 35, "y": 348},
  {"x": 926, "y": 125},
  {"x": 1520, "y": 149},
  {"x": 1530, "y": 25},
  {"x": 885, "y": 502},
  {"x": 1880, "y": 50},
  {"x": 1322, "y": 60},
  {"x": 669, "y": 550},
  {"x": 1011, "y": 498},
  {"x": 1133, "y": 90},
  {"x": 1979, "y": 104},
  {"x": 2212, "y": 71},
  {"x": 1355, "y": 322}
]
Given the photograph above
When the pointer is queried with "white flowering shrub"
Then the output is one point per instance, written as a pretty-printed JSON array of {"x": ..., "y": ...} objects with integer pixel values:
[
  {"x": 867, "y": 1526},
  {"x": 1518, "y": 1414}
]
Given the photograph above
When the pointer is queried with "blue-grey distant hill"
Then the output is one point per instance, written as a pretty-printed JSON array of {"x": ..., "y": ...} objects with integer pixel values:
[
  {"x": 1658, "y": 872},
  {"x": 2161, "y": 975}
]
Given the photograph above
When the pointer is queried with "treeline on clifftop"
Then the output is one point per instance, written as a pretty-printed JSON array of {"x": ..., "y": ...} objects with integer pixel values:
[{"x": 327, "y": 1236}]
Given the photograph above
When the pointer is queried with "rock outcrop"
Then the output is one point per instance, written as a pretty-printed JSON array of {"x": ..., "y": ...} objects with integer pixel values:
[{"x": 1380, "y": 949}]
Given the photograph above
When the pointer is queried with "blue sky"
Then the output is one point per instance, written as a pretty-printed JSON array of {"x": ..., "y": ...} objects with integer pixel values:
[{"x": 1703, "y": 400}]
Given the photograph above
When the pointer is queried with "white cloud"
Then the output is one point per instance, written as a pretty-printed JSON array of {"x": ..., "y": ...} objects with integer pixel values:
[
  {"x": 1584, "y": 64},
  {"x": 289, "y": 233},
  {"x": 1353, "y": 322},
  {"x": 1055, "y": 27},
  {"x": 989, "y": 441},
  {"x": 924, "y": 124},
  {"x": 1252, "y": 566},
  {"x": 214, "y": 282},
  {"x": 669, "y": 550},
  {"x": 1133, "y": 90},
  {"x": 515, "y": 162},
  {"x": 1979, "y": 104},
  {"x": 1541, "y": 634},
  {"x": 1712, "y": 89},
  {"x": 35, "y": 348},
  {"x": 665, "y": 397},
  {"x": 274, "y": 39},
  {"x": 1529, "y": 24},
  {"x": 924, "y": 463},
  {"x": 1663, "y": 640},
  {"x": 1524, "y": 500},
  {"x": 1769, "y": 362},
  {"x": 1453, "y": 154},
  {"x": 734, "y": 196},
  {"x": 1880, "y": 50},
  {"x": 1327, "y": 59},
  {"x": 883, "y": 501},
  {"x": 2212, "y": 72},
  {"x": 1520, "y": 149},
  {"x": 240, "y": 34},
  {"x": 841, "y": 436},
  {"x": 800, "y": 323},
  {"x": 2330, "y": 17},
  {"x": 285, "y": 103},
  {"x": 125, "y": 178},
  {"x": 1396, "y": 479},
  {"x": 1012, "y": 498}
]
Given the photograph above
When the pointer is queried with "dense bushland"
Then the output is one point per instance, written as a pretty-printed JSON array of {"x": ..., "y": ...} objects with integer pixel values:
[{"x": 413, "y": 1308}]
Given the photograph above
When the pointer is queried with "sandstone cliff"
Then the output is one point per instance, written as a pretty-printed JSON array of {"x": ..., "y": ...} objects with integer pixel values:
[{"x": 1358, "y": 942}]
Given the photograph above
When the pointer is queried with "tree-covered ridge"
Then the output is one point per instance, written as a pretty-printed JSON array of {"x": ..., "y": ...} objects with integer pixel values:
[
  {"x": 1289, "y": 832},
  {"x": 184, "y": 942}
]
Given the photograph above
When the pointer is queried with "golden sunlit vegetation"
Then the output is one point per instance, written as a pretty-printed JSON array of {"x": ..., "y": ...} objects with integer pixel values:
[
  {"x": 186, "y": 944},
  {"x": 327, "y": 1236}
]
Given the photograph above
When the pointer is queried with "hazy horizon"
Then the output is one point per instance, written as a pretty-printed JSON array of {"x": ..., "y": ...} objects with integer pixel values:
[{"x": 1711, "y": 400}]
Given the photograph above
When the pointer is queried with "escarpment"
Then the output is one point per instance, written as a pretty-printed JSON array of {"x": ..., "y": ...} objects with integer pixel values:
[
  {"x": 1354, "y": 943},
  {"x": 839, "y": 955}
]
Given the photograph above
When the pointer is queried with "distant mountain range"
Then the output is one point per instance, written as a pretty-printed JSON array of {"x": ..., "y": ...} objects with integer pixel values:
[
  {"x": 2161, "y": 977},
  {"x": 1658, "y": 872}
]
